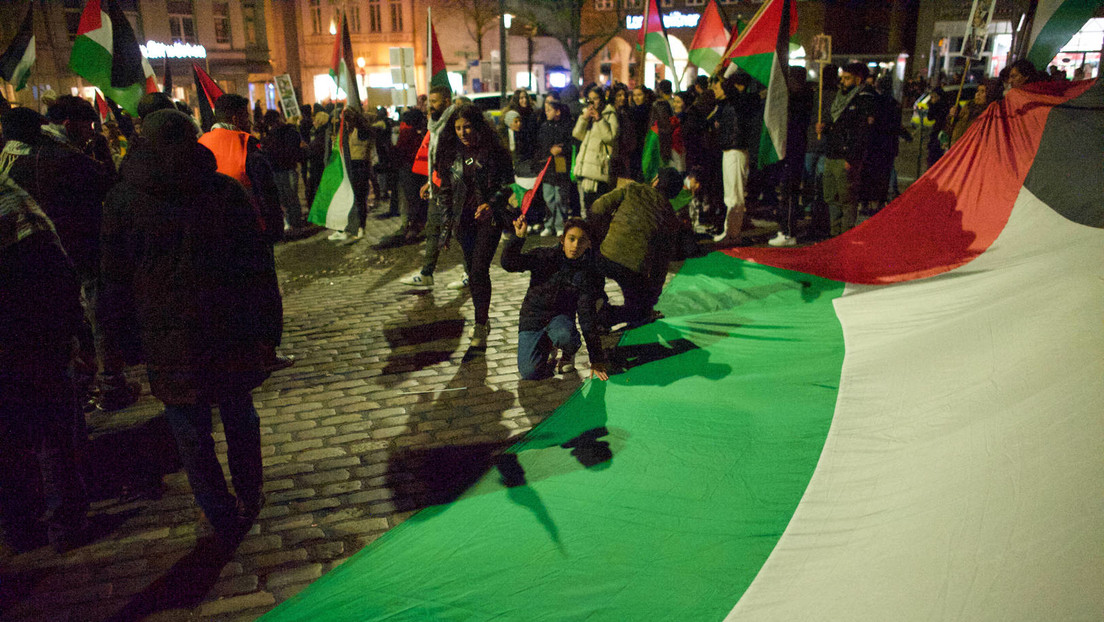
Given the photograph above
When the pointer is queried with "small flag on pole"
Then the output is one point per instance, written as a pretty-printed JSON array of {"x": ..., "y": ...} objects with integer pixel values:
[
  {"x": 652, "y": 37},
  {"x": 763, "y": 52},
  {"x": 208, "y": 92},
  {"x": 530, "y": 194},
  {"x": 106, "y": 54},
  {"x": 17, "y": 60},
  {"x": 710, "y": 39},
  {"x": 102, "y": 108},
  {"x": 435, "y": 60}
]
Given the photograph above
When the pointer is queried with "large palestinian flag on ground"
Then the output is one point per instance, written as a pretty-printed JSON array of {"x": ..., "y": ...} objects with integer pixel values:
[{"x": 902, "y": 423}]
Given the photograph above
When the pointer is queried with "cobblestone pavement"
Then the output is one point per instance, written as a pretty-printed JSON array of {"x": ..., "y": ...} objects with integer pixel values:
[{"x": 378, "y": 418}]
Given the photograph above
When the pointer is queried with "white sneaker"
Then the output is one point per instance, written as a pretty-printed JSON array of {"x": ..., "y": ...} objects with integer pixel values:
[
  {"x": 418, "y": 280},
  {"x": 338, "y": 236},
  {"x": 548, "y": 233},
  {"x": 459, "y": 284},
  {"x": 479, "y": 336},
  {"x": 566, "y": 364},
  {"x": 724, "y": 237},
  {"x": 782, "y": 240}
]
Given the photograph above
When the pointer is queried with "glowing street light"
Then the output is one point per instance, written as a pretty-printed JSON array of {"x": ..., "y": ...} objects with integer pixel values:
[{"x": 333, "y": 27}]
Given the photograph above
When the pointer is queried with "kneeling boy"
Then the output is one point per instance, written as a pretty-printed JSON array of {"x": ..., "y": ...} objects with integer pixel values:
[{"x": 563, "y": 283}]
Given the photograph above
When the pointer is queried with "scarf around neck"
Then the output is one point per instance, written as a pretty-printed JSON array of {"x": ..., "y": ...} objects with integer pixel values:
[{"x": 842, "y": 100}]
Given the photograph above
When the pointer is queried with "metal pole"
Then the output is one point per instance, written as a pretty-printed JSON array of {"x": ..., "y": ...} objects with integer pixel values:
[
  {"x": 529, "y": 62},
  {"x": 502, "y": 52}
]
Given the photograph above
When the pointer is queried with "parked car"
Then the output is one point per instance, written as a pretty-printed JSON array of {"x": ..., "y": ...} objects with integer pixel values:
[{"x": 921, "y": 105}]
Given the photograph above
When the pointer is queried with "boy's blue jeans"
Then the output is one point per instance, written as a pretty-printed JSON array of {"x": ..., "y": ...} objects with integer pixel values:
[{"x": 535, "y": 345}]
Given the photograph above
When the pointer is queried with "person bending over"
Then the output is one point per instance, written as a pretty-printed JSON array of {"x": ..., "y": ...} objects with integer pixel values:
[{"x": 563, "y": 283}]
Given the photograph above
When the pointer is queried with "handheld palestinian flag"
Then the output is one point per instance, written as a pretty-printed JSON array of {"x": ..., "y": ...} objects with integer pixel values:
[
  {"x": 527, "y": 200},
  {"x": 737, "y": 29},
  {"x": 652, "y": 159},
  {"x": 334, "y": 199},
  {"x": 102, "y": 108},
  {"x": 435, "y": 60},
  {"x": 207, "y": 92},
  {"x": 341, "y": 67},
  {"x": 764, "y": 51},
  {"x": 106, "y": 54},
  {"x": 710, "y": 39},
  {"x": 652, "y": 36},
  {"x": 17, "y": 60},
  {"x": 898, "y": 423}
]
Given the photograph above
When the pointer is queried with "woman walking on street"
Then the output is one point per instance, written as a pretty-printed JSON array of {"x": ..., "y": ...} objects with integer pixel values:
[{"x": 476, "y": 174}]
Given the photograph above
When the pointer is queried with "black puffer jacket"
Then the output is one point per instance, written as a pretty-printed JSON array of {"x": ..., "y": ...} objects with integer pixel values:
[
  {"x": 558, "y": 286},
  {"x": 184, "y": 244}
]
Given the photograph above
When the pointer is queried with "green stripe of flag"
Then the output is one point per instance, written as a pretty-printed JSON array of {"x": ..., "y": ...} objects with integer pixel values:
[
  {"x": 708, "y": 465},
  {"x": 92, "y": 61},
  {"x": 334, "y": 199}
]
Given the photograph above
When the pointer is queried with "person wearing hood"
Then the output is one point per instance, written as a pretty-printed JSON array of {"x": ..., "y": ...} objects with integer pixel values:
[
  {"x": 635, "y": 230},
  {"x": 564, "y": 282},
  {"x": 847, "y": 134},
  {"x": 182, "y": 247}
]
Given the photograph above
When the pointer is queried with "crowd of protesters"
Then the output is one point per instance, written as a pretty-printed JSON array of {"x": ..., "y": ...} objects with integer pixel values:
[{"x": 151, "y": 241}]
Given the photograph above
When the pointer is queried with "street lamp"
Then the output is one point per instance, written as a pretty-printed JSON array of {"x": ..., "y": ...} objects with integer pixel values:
[{"x": 363, "y": 74}]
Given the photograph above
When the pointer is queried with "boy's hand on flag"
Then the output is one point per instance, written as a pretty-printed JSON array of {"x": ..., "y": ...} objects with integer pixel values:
[
  {"x": 521, "y": 228},
  {"x": 599, "y": 371}
]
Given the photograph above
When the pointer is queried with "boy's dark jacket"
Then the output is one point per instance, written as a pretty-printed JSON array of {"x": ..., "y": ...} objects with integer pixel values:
[{"x": 558, "y": 286}]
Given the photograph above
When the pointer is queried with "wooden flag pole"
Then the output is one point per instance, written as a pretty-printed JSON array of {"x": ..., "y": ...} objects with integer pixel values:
[
  {"x": 823, "y": 47},
  {"x": 643, "y": 42}
]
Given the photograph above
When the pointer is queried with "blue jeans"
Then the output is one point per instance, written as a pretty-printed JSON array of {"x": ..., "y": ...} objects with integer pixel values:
[
  {"x": 555, "y": 198},
  {"x": 535, "y": 345},
  {"x": 191, "y": 427}
]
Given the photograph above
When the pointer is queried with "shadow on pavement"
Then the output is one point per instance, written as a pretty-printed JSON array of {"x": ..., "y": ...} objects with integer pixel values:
[{"x": 128, "y": 464}]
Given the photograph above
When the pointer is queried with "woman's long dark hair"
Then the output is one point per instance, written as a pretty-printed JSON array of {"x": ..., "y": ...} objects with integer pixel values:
[{"x": 487, "y": 143}]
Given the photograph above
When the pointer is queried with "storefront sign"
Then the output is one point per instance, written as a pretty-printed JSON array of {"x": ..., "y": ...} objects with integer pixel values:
[
  {"x": 154, "y": 49},
  {"x": 673, "y": 19}
]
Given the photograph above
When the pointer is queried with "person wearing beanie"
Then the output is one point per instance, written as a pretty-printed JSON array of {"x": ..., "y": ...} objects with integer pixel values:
[
  {"x": 634, "y": 230},
  {"x": 207, "y": 306}
]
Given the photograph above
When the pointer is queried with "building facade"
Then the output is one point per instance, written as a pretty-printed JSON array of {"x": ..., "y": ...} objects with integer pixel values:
[{"x": 226, "y": 38}]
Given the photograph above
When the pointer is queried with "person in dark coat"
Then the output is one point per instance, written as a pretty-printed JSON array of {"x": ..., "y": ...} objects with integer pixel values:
[
  {"x": 184, "y": 244},
  {"x": 42, "y": 493},
  {"x": 284, "y": 147},
  {"x": 564, "y": 283},
  {"x": 847, "y": 131},
  {"x": 70, "y": 188},
  {"x": 412, "y": 128}
]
